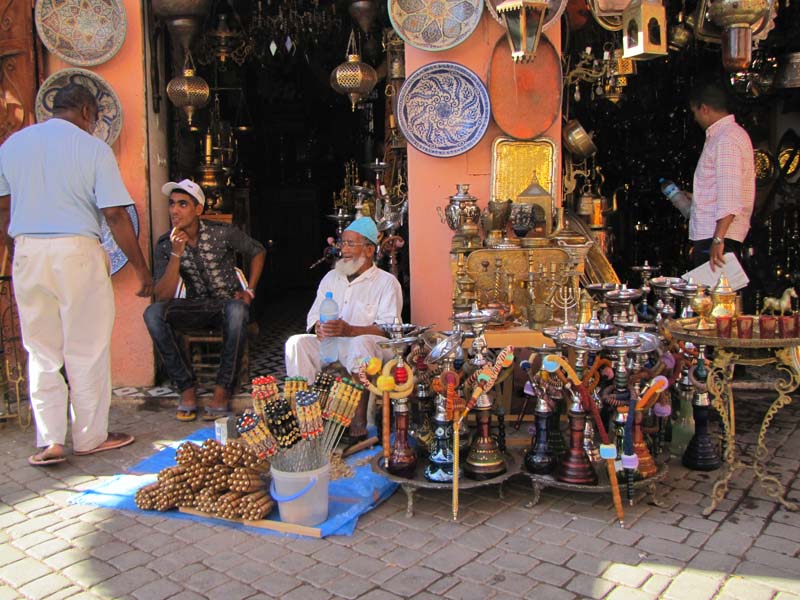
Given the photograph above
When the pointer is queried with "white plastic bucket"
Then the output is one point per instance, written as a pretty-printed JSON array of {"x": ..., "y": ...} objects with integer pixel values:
[{"x": 302, "y": 497}]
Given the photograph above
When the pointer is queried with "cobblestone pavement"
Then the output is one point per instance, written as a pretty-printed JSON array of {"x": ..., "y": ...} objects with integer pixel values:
[{"x": 565, "y": 546}]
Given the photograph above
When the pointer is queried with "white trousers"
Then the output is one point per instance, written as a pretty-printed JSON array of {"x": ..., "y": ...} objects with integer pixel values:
[
  {"x": 302, "y": 353},
  {"x": 66, "y": 312}
]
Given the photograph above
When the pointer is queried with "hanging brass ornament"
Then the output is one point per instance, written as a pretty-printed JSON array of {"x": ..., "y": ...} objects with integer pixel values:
[
  {"x": 523, "y": 20},
  {"x": 188, "y": 91},
  {"x": 353, "y": 77}
]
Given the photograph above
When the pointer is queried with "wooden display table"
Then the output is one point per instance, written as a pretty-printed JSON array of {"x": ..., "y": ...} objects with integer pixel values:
[{"x": 785, "y": 352}]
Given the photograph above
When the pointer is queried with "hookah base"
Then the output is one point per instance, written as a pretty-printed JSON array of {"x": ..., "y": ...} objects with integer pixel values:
[
  {"x": 579, "y": 472},
  {"x": 540, "y": 464},
  {"x": 403, "y": 467},
  {"x": 701, "y": 455},
  {"x": 481, "y": 472},
  {"x": 439, "y": 473}
]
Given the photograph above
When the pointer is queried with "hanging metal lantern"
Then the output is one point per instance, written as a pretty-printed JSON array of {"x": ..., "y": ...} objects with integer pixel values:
[
  {"x": 353, "y": 77},
  {"x": 523, "y": 20},
  {"x": 188, "y": 91}
]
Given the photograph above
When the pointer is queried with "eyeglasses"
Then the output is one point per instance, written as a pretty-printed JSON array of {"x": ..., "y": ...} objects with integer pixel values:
[{"x": 349, "y": 244}]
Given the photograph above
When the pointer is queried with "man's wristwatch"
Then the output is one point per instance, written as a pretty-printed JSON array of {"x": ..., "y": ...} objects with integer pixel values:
[{"x": 717, "y": 240}]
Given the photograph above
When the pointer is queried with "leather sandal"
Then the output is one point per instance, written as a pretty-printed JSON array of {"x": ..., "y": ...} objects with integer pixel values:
[{"x": 113, "y": 441}]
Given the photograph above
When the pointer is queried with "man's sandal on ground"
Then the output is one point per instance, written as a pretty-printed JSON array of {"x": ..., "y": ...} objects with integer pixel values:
[
  {"x": 186, "y": 413},
  {"x": 113, "y": 441},
  {"x": 42, "y": 459}
]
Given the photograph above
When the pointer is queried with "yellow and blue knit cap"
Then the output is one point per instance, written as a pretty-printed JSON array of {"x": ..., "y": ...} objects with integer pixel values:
[{"x": 365, "y": 226}]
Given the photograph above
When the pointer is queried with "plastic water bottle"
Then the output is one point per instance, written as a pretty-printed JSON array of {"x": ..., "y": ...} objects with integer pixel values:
[
  {"x": 677, "y": 196},
  {"x": 328, "y": 311}
]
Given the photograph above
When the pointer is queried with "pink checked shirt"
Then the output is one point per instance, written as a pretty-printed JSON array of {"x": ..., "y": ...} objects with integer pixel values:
[{"x": 724, "y": 182}]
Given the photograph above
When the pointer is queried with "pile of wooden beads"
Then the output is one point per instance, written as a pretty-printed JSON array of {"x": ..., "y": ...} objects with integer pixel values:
[
  {"x": 256, "y": 506},
  {"x": 256, "y": 434},
  {"x": 322, "y": 387},
  {"x": 309, "y": 415},
  {"x": 282, "y": 422},
  {"x": 292, "y": 385}
]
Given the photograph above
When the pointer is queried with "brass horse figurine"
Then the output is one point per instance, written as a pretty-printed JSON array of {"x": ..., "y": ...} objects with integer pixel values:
[{"x": 782, "y": 304}]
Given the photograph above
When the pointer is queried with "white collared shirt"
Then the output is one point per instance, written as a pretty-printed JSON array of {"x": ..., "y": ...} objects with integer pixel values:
[
  {"x": 724, "y": 182},
  {"x": 374, "y": 297}
]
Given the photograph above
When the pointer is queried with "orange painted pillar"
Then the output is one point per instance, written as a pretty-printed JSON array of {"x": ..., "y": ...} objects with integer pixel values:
[
  {"x": 431, "y": 180},
  {"x": 131, "y": 348}
]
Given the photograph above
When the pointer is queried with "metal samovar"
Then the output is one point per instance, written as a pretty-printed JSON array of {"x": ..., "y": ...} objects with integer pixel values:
[{"x": 462, "y": 215}]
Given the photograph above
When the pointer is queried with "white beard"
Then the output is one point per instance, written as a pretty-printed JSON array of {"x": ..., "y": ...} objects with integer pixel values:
[{"x": 349, "y": 267}]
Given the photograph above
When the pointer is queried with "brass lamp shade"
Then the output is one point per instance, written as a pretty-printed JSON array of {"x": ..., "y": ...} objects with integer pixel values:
[
  {"x": 354, "y": 78},
  {"x": 523, "y": 20},
  {"x": 188, "y": 91}
]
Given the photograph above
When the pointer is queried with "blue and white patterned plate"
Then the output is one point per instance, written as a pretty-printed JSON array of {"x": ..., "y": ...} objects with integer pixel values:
[
  {"x": 109, "y": 123},
  {"x": 115, "y": 254},
  {"x": 443, "y": 109},
  {"x": 435, "y": 25}
]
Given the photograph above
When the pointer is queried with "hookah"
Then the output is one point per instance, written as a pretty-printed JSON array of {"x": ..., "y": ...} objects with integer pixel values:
[
  {"x": 464, "y": 294},
  {"x": 540, "y": 459},
  {"x": 395, "y": 383},
  {"x": 682, "y": 399},
  {"x": 645, "y": 311},
  {"x": 701, "y": 453},
  {"x": 608, "y": 451},
  {"x": 422, "y": 403},
  {"x": 663, "y": 307},
  {"x": 620, "y": 396},
  {"x": 619, "y": 300},
  {"x": 485, "y": 459},
  {"x": 582, "y": 346},
  {"x": 476, "y": 320},
  {"x": 440, "y": 461},
  {"x": 574, "y": 467}
]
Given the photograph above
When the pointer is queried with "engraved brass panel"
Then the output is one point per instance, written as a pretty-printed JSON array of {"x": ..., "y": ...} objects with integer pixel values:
[{"x": 514, "y": 163}]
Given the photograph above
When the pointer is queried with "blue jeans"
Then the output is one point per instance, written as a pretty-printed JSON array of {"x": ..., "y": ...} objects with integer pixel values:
[{"x": 165, "y": 319}]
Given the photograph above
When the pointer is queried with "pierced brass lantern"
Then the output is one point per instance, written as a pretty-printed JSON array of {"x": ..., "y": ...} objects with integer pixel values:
[
  {"x": 353, "y": 77},
  {"x": 188, "y": 91},
  {"x": 523, "y": 20}
]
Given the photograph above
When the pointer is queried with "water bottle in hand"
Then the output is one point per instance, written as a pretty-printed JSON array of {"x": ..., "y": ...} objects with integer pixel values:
[
  {"x": 677, "y": 196},
  {"x": 328, "y": 311}
]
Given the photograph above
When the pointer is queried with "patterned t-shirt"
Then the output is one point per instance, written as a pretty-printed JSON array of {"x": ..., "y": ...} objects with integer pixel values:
[{"x": 208, "y": 270}]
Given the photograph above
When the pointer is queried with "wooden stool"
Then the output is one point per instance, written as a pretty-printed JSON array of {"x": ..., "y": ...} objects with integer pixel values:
[{"x": 203, "y": 347}]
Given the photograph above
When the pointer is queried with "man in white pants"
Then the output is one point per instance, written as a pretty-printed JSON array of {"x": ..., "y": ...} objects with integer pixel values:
[
  {"x": 367, "y": 297},
  {"x": 55, "y": 180}
]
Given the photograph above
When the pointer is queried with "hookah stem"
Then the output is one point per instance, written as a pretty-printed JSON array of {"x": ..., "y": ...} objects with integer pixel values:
[{"x": 590, "y": 406}]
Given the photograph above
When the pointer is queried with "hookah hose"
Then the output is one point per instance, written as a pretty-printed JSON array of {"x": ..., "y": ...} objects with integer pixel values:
[
  {"x": 607, "y": 449},
  {"x": 592, "y": 378},
  {"x": 630, "y": 461}
]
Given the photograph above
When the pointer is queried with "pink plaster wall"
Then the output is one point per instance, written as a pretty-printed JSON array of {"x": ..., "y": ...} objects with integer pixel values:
[
  {"x": 432, "y": 180},
  {"x": 131, "y": 348}
]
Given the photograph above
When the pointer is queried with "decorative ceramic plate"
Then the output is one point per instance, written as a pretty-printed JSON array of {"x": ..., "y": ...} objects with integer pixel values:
[
  {"x": 555, "y": 9},
  {"x": 116, "y": 256},
  {"x": 81, "y": 32},
  {"x": 443, "y": 109},
  {"x": 109, "y": 122},
  {"x": 435, "y": 24},
  {"x": 526, "y": 97}
]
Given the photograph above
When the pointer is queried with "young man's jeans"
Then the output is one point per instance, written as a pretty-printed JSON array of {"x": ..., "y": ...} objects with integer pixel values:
[{"x": 165, "y": 319}]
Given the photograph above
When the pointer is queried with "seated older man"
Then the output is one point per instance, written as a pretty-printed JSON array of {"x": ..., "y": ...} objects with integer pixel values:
[{"x": 367, "y": 297}]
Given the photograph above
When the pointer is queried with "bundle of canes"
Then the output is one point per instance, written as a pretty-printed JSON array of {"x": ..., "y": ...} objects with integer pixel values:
[
  {"x": 342, "y": 404},
  {"x": 608, "y": 451},
  {"x": 396, "y": 381}
]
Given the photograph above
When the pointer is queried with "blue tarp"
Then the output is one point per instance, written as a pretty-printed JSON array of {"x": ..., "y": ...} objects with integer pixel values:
[{"x": 348, "y": 498}]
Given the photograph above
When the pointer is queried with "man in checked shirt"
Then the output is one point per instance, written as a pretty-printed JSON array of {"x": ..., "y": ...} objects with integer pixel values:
[{"x": 724, "y": 180}]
